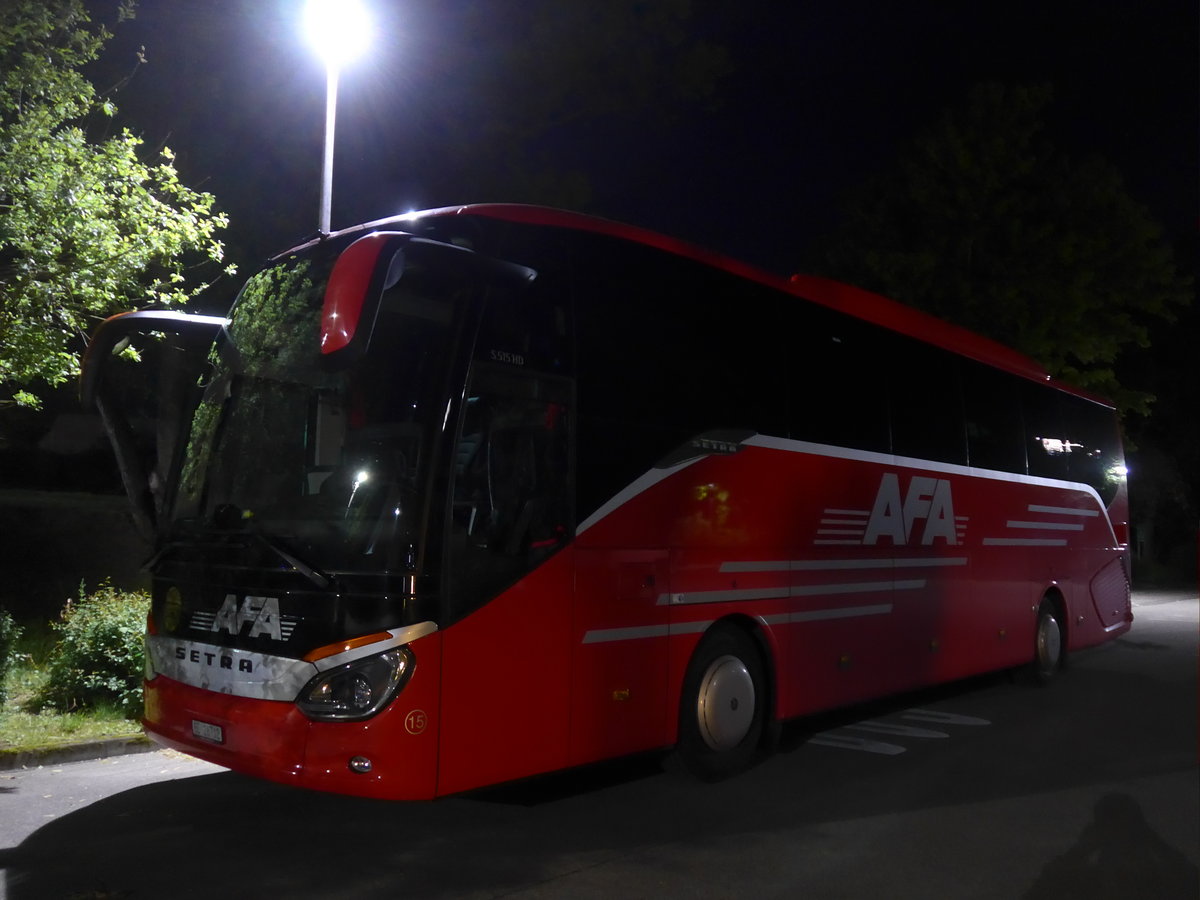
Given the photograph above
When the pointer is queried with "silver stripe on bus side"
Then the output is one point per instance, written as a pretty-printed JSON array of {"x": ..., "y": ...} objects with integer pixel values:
[
  {"x": 1045, "y": 526},
  {"x": 826, "y": 615},
  {"x": 1024, "y": 542},
  {"x": 827, "y": 565},
  {"x": 729, "y": 596},
  {"x": 688, "y": 598},
  {"x": 637, "y": 486},
  {"x": 1063, "y": 511},
  {"x": 638, "y": 632}
]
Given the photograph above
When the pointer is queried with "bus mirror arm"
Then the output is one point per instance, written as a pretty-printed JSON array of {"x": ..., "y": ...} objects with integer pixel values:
[
  {"x": 134, "y": 477},
  {"x": 109, "y": 338}
]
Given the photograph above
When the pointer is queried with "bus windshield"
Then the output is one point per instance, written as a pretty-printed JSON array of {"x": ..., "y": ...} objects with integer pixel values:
[{"x": 327, "y": 462}]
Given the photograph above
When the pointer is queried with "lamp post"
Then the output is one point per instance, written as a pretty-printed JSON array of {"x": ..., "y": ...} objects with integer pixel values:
[{"x": 338, "y": 30}]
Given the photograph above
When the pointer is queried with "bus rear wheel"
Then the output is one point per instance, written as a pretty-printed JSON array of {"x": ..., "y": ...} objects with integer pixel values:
[
  {"x": 722, "y": 707},
  {"x": 1048, "y": 644}
]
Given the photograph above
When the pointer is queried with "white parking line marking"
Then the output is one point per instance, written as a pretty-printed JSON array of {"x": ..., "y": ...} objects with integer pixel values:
[
  {"x": 843, "y": 742},
  {"x": 937, "y": 717},
  {"x": 838, "y": 740},
  {"x": 898, "y": 730}
]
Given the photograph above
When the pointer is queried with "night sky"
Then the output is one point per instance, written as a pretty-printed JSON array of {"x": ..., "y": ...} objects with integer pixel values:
[{"x": 821, "y": 95}]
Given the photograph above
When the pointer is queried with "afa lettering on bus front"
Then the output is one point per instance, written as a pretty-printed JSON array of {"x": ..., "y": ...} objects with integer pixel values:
[
  {"x": 918, "y": 513},
  {"x": 260, "y": 613}
]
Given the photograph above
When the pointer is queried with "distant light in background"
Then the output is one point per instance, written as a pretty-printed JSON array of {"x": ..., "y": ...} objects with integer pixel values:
[{"x": 340, "y": 31}]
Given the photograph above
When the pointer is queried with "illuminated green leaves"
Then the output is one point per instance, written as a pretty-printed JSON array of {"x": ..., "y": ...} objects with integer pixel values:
[{"x": 87, "y": 227}]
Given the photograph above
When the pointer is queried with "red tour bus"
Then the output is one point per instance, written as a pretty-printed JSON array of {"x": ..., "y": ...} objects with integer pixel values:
[{"x": 490, "y": 491}]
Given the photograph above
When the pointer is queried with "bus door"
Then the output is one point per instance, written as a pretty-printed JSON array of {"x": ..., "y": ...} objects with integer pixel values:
[
  {"x": 509, "y": 581},
  {"x": 619, "y": 672}
]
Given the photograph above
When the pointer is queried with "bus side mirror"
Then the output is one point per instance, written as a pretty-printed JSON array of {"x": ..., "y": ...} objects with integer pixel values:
[
  {"x": 363, "y": 271},
  {"x": 374, "y": 263}
]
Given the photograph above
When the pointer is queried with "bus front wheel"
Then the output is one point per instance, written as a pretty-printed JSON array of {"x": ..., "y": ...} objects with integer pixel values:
[
  {"x": 1048, "y": 644},
  {"x": 722, "y": 707}
]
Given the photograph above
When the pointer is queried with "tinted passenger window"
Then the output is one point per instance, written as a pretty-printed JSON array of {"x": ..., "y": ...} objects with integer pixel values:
[
  {"x": 995, "y": 430},
  {"x": 722, "y": 349},
  {"x": 839, "y": 384},
  {"x": 1046, "y": 442},
  {"x": 927, "y": 413},
  {"x": 668, "y": 349},
  {"x": 1095, "y": 456}
]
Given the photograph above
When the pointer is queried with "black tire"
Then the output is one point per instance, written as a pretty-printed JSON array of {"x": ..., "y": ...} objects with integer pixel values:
[
  {"x": 722, "y": 709},
  {"x": 1048, "y": 650}
]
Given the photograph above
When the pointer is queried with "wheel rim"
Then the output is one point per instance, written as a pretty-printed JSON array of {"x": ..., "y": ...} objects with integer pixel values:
[
  {"x": 725, "y": 703},
  {"x": 1049, "y": 644}
]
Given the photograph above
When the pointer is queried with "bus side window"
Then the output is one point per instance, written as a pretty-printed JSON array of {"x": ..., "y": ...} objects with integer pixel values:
[
  {"x": 1096, "y": 457},
  {"x": 1045, "y": 440},
  {"x": 839, "y": 388},
  {"x": 995, "y": 434},
  {"x": 926, "y": 403}
]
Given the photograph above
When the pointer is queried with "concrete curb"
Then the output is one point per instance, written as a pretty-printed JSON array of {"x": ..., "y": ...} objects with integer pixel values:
[{"x": 64, "y": 753}]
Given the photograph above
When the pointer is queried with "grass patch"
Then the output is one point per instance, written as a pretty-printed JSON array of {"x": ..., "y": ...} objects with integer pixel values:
[
  {"x": 38, "y": 731},
  {"x": 23, "y": 729}
]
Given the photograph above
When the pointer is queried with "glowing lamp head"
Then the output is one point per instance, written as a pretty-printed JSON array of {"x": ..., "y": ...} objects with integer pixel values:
[{"x": 339, "y": 30}]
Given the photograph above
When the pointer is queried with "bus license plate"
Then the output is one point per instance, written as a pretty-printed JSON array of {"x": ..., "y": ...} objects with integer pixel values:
[{"x": 207, "y": 732}]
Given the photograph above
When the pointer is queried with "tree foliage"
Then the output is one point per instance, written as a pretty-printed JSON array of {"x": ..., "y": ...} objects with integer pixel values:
[
  {"x": 9, "y": 633},
  {"x": 87, "y": 226},
  {"x": 984, "y": 223}
]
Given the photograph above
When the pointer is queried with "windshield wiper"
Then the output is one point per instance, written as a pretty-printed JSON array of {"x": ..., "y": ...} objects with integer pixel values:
[
  {"x": 229, "y": 517},
  {"x": 320, "y": 579}
]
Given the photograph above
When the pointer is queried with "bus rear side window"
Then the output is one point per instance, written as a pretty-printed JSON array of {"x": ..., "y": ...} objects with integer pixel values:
[
  {"x": 1096, "y": 457},
  {"x": 1045, "y": 441}
]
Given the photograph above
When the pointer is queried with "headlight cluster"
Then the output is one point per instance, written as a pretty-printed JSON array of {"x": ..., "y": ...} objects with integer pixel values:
[{"x": 357, "y": 690}]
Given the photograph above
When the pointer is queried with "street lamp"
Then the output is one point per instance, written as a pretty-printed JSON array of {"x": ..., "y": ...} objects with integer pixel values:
[{"x": 339, "y": 30}]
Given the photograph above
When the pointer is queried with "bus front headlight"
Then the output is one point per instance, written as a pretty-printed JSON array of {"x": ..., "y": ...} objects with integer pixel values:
[{"x": 357, "y": 690}]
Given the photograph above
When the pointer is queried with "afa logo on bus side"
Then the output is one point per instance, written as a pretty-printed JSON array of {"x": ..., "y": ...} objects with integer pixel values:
[{"x": 895, "y": 516}]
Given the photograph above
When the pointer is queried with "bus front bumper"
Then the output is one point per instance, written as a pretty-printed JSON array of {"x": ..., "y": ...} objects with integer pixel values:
[{"x": 390, "y": 756}]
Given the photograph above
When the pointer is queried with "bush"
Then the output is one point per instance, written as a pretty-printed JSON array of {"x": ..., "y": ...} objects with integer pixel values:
[
  {"x": 9, "y": 632},
  {"x": 100, "y": 657}
]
